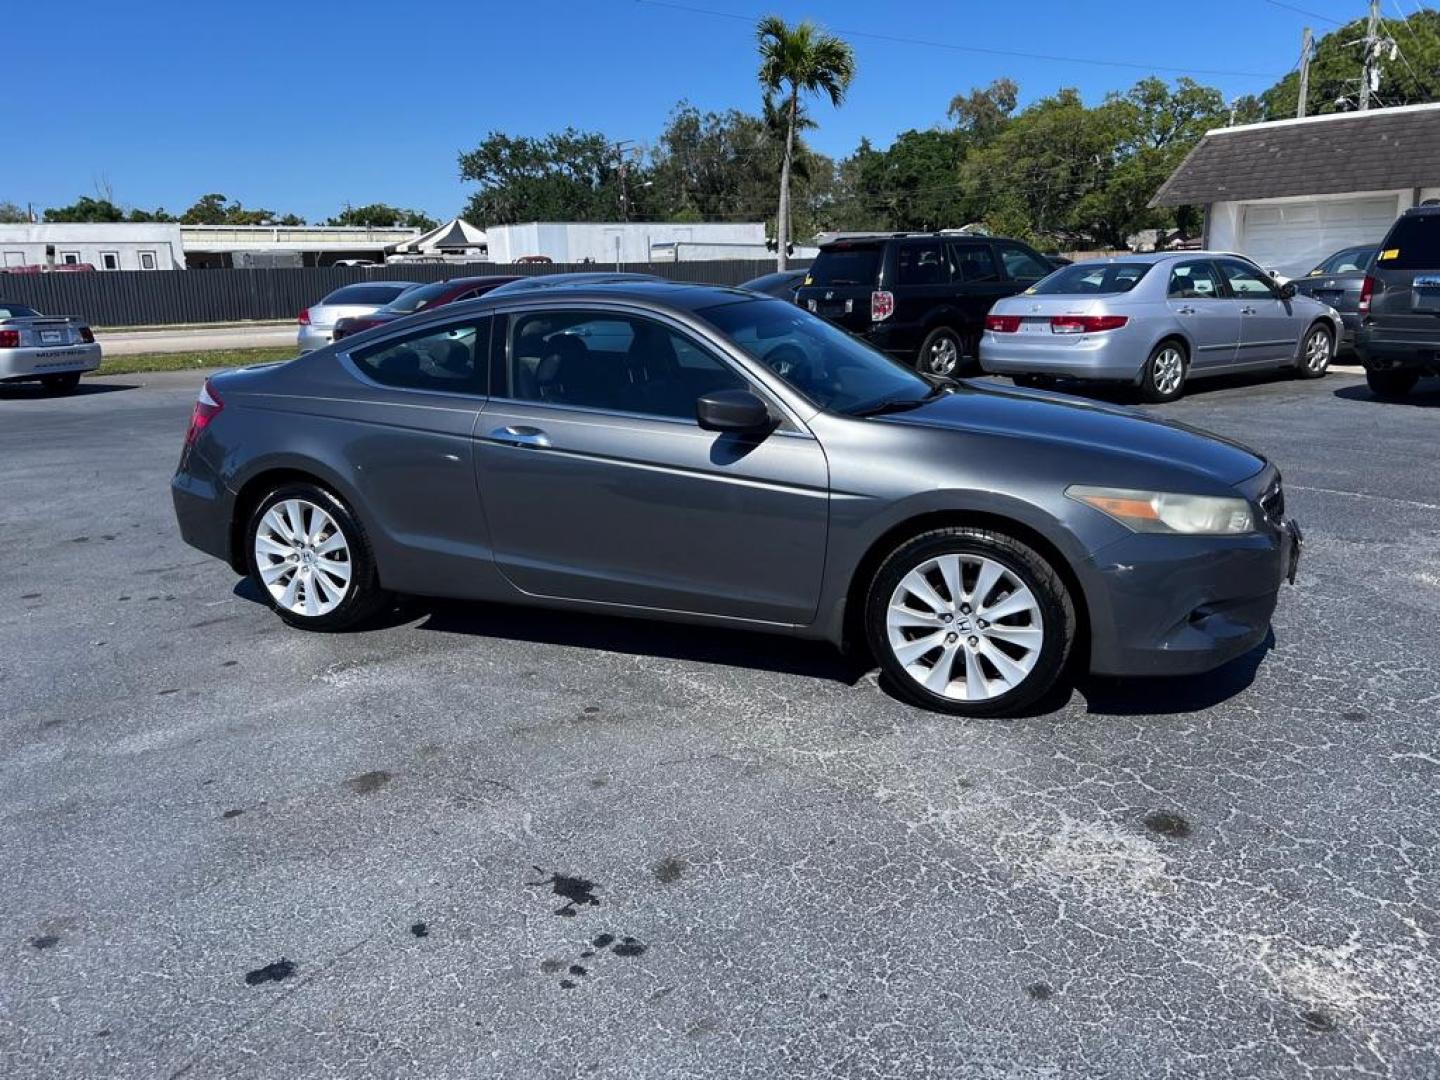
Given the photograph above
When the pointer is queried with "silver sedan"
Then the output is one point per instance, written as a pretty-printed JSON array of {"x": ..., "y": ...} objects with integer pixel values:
[
  {"x": 317, "y": 322},
  {"x": 1156, "y": 321},
  {"x": 54, "y": 351}
]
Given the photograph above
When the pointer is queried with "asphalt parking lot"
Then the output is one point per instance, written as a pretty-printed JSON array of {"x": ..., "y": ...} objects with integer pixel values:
[{"x": 489, "y": 842}]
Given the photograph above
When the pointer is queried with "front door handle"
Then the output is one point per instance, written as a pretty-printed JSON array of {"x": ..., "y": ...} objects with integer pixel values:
[
  {"x": 1185, "y": 311},
  {"x": 520, "y": 435},
  {"x": 1247, "y": 311}
]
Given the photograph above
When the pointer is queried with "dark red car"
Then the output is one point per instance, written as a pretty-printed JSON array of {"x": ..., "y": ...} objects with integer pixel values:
[{"x": 421, "y": 299}]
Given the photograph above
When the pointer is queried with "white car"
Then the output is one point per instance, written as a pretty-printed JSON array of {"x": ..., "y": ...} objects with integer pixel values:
[{"x": 54, "y": 351}]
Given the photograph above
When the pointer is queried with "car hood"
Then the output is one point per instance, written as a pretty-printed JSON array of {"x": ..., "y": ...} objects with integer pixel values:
[{"x": 1111, "y": 429}]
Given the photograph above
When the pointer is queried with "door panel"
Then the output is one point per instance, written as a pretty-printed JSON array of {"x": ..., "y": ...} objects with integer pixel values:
[
  {"x": 1196, "y": 298},
  {"x": 1267, "y": 329},
  {"x": 598, "y": 488}
]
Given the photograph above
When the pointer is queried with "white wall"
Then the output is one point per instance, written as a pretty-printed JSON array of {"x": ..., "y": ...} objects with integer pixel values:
[
  {"x": 26, "y": 244},
  {"x": 608, "y": 242},
  {"x": 1227, "y": 224}
]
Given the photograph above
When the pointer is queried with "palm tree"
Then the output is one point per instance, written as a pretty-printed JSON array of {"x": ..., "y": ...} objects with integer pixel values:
[{"x": 795, "y": 59}]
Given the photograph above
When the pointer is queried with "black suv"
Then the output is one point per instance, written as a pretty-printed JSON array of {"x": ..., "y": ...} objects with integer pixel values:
[
  {"x": 1399, "y": 335},
  {"x": 922, "y": 297}
]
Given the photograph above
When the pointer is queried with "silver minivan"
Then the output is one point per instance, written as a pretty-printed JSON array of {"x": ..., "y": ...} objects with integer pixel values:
[{"x": 1155, "y": 322}]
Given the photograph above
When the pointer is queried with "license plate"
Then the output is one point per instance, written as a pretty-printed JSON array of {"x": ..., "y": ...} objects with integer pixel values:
[
  {"x": 52, "y": 337},
  {"x": 1034, "y": 326}
]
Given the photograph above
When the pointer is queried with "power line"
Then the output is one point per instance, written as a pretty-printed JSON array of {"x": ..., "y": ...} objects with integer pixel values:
[
  {"x": 950, "y": 46},
  {"x": 1304, "y": 11}
]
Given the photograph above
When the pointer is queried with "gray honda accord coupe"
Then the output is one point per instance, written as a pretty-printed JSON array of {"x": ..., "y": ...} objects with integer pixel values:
[{"x": 708, "y": 455}]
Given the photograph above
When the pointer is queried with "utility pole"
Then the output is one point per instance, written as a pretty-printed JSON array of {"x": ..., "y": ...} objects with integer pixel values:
[
  {"x": 1374, "y": 45},
  {"x": 1307, "y": 48},
  {"x": 622, "y": 148}
]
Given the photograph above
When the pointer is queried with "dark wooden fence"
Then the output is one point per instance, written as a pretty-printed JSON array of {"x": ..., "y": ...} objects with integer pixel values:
[{"x": 168, "y": 297}]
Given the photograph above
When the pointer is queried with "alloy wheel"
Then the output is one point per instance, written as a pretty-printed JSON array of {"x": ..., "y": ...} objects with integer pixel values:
[
  {"x": 303, "y": 557},
  {"x": 944, "y": 355},
  {"x": 1317, "y": 352},
  {"x": 965, "y": 627},
  {"x": 1169, "y": 368}
]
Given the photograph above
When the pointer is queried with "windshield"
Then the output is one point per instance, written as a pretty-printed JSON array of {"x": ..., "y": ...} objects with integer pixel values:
[
  {"x": 832, "y": 369},
  {"x": 1081, "y": 278},
  {"x": 845, "y": 266},
  {"x": 1346, "y": 262},
  {"x": 412, "y": 301}
]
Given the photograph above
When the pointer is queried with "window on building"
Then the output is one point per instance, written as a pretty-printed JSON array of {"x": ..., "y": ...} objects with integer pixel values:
[
  {"x": 110, "y": 260},
  {"x": 70, "y": 258},
  {"x": 147, "y": 260}
]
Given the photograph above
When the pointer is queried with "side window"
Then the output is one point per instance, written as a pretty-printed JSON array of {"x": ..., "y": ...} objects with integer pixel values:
[
  {"x": 1193, "y": 281},
  {"x": 621, "y": 363},
  {"x": 973, "y": 262},
  {"x": 1246, "y": 280},
  {"x": 1020, "y": 263},
  {"x": 920, "y": 264},
  {"x": 453, "y": 359}
]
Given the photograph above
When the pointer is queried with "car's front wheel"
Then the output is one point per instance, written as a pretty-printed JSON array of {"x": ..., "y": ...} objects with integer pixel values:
[
  {"x": 969, "y": 621},
  {"x": 311, "y": 560},
  {"x": 1391, "y": 385},
  {"x": 1316, "y": 353},
  {"x": 61, "y": 384}
]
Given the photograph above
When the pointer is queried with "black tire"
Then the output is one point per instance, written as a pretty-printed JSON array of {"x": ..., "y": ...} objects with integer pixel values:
[
  {"x": 1391, "y": 385},
  {"x": 1028, "y": 568},
  {"x": 67, "y": 383},
  {"x": 1306, "y": 367},
  {"x": 1034, "y": 382},
  {"x": 1157, "y": 364},
  {"x": 362, "y": 598},
  {"x": 942, "y": 353}
]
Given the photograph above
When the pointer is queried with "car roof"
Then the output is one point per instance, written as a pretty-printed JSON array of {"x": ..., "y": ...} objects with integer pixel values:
[{"x": 1154, "y": 257}]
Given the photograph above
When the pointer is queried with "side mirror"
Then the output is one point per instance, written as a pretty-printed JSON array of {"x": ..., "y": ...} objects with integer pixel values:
[
  {"x": 732, "y": 410},
  {"x": 1287, "y": 291}
]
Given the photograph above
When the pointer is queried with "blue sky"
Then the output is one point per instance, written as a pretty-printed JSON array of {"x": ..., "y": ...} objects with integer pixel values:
[{"x": 303, "y": 106}]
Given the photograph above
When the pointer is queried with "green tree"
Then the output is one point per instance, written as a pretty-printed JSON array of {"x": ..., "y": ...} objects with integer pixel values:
[
  {"x": 569, "y": 175},
  {"x": 382, "y": 215},
  {"x": 1411, "y": 78},
  {"x": 10, "y": 213},
  {"x": 86, "y": 209},
  {"x": 794, "y": 60},
  {"x": 983, "y": 113},
  {"x": 214, "y": 209},
  {"x": 158, "y": 214}
]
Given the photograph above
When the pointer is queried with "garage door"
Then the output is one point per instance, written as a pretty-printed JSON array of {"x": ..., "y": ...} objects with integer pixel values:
[{"x": 1290, "y": 238}]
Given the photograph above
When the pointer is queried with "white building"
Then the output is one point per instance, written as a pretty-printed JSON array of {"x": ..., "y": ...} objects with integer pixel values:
[
  {"x": 611, "y": 242},
  {"x": 138, "y": 246},
  {"x": 218, "y": 246},
  {"x": 1290, "y": 192}
]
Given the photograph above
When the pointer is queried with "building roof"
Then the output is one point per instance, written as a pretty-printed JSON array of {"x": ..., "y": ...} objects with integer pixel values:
[
  {"x": 1333, "y": 154},
  {"x": 457, "y": 234}
]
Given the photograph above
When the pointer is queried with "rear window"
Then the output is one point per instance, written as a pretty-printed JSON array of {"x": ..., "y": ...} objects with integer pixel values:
[
  {"x": 1345, "y": 262},
  {"x": 16, "y": 311},
  {"x": 845, "y": 266},
  {"x": 1413, "y": 244},
  {"x": 1082, "y": 278},
  {"x": 365, "y": 294},
  {"x": 409, "y": 302}
]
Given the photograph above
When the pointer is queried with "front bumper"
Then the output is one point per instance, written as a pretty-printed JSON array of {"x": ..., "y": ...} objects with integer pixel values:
[
  {"x": 37, "y": 362},
  {"x": 1112, "y": 356},
  {"x": 1180, "y": 605}
]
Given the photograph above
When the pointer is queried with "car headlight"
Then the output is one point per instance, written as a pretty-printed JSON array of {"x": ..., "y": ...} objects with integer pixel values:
[{"x": 1168, "y": 512}]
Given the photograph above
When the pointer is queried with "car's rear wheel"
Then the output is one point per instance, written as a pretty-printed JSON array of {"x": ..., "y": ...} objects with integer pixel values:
[
  {"x": 311, "y": 559},
  {"x": 1316, "y": 353},
  {"x": 1163, "y": 378},
  {"x": 61, "y": 384},
  {"x": 942, "y": 353},
  {"x": 969, "y": 621},
  {"x": 1391, "y": 384}
]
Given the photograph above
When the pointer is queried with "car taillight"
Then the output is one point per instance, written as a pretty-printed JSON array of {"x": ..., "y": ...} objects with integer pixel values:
[
  {"x": 882, "y": 305},
  {"x": 1085, "y": 324},
  {"x": 1002, "y": 324},
  {"x": 207, "y": 407},
  {"x": 87, "y": 335},
  {"x": 9, "y": 339},
  {"x": 1367, "y": 290},
  {"x": 305, "y": 317}
]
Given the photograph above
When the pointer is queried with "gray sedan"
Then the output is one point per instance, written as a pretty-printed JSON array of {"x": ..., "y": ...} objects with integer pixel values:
[
  {"x": 708, "y": 455},
  {"x": 1156, "y": 321}
]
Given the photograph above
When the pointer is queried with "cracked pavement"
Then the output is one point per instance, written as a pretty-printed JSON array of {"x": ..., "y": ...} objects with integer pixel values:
[{"x": 484, "y": 841}]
